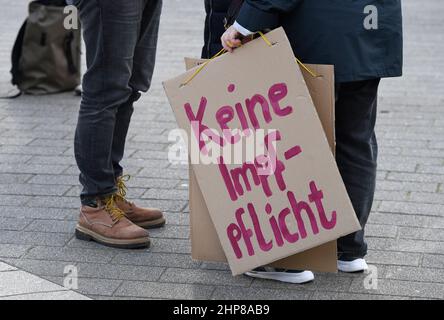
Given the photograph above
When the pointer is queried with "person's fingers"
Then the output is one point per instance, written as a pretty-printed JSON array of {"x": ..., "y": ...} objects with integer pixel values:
[
  {"x": 225, "y": 44},
  {"x": 235, "y": 42},
  {"x": 229, "y": 40}
]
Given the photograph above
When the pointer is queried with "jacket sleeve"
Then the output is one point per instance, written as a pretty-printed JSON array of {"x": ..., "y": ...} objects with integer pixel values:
[{"x": 256, "y": 15}]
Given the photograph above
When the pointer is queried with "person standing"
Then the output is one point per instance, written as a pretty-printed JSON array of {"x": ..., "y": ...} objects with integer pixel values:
[
  {"x": 120, "y": 39},
  {"x": 363, "y": 40},
  {"x": 216, "y": 11}
]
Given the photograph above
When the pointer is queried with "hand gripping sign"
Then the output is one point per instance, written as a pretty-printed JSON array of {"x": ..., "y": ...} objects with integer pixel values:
[{"x": 299, "y": 201}]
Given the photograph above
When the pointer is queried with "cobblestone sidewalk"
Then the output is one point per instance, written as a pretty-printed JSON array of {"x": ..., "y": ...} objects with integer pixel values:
[
  {"x": 19, "y": 285},
  {"x": 39, "y": 186}
]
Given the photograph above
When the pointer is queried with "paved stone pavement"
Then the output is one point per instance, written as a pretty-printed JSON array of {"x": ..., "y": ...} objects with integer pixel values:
[
  {"x": 38, "y": 182},
  {"x": 16, "y": 284}
]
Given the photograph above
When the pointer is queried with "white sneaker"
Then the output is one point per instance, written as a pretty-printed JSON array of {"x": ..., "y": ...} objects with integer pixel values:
[
  {"x": 357, "y": 265},
  {"x": 283, "y": 275}
]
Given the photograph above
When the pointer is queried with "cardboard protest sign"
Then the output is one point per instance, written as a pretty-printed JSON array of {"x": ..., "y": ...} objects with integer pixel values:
[
  {"x": 288, "y": 199},
  {"x": 205, "y": 245}
]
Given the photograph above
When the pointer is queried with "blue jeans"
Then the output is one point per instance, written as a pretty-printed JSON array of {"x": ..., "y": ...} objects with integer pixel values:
[{"x": 121, "y": 40}]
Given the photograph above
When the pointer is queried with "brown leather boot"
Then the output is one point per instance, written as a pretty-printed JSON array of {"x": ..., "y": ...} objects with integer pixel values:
[
  {"x": 108, "y": 225},
  {"x": 144, "y": 217}
]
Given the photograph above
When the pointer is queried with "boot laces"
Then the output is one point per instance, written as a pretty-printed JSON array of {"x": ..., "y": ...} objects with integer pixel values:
[
  {"x": 122, "y": 188},
  {"x": 112, "y": 209}
]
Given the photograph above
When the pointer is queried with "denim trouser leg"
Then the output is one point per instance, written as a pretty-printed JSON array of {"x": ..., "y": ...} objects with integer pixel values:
[
  {"x": 116, "y": 35},
  {"x": 143, "y": 68},
  {"x": 123, "y": 118},
  {"x": 356, "y": 155}
]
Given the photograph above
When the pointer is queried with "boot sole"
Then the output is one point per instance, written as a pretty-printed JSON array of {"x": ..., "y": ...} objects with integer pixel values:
[
  {"x": 88, "y": 235},
  {"x": 158, "y": 223}
]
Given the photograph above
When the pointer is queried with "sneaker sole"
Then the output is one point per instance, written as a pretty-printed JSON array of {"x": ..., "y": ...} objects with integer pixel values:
[
  {"x": 88, "y": 235},
  {"x": 282, "y": 277},
  {"x": 158, "y": 223},
  {"x": 345, "y": 268},
  {"x": 351, "y": 271}
]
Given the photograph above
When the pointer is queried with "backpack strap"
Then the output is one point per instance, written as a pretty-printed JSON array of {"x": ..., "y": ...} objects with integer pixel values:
[
  {"x": 16, "y": 54},
  {"x": 67, "y": 48},
  {"x": 14, "y": 93}
]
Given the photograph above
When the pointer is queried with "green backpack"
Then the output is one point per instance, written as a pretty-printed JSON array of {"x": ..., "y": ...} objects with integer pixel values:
[{"x": 46, "y": 56}]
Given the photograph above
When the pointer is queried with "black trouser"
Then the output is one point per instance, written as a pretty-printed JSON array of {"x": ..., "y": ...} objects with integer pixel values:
[
  {"x": 121, "y": 39},
  {"x": 356, "y": 155},
  {"x": 214, "y": 26}
]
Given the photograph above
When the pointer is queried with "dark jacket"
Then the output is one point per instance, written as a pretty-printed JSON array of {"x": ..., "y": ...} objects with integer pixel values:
[
  {"x": 214, "y": 26},
  {"x": 333, "y": 32}
]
